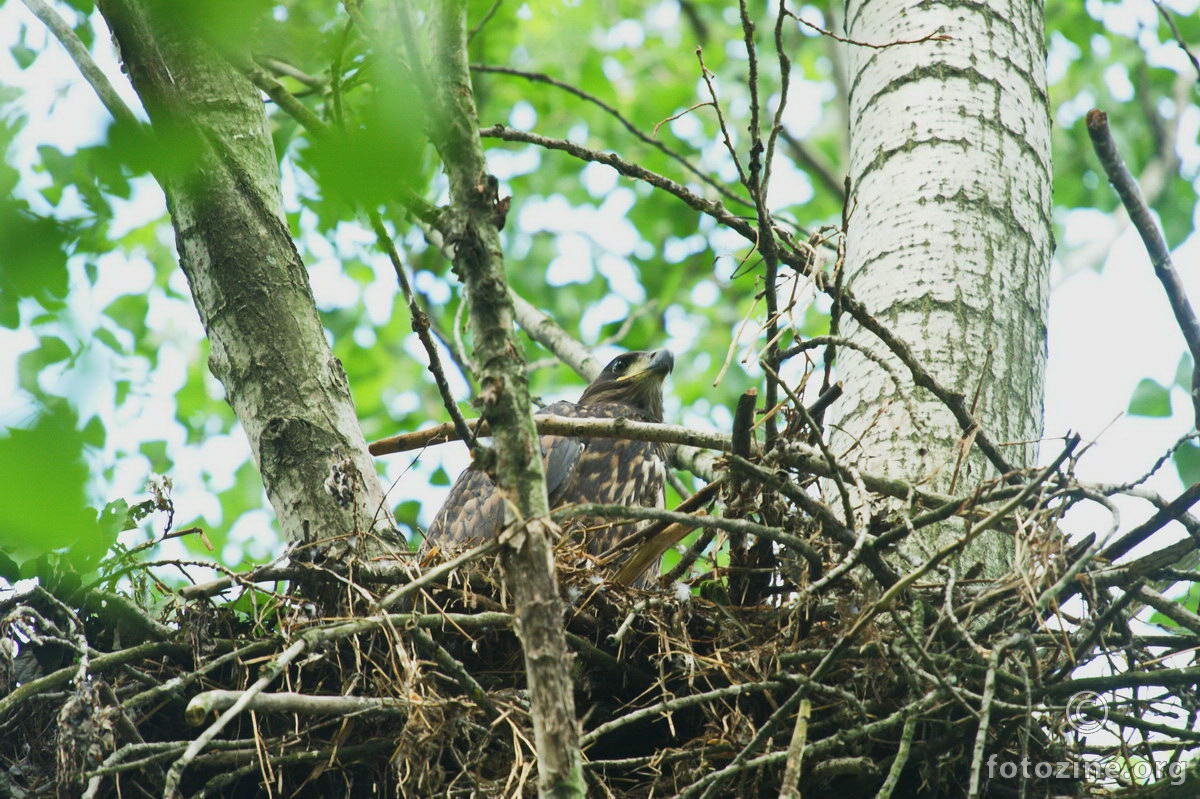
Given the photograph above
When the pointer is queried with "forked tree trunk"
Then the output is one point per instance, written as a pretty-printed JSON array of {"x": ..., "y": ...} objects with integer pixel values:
[
  {"x": 248, "y": 282},
  {"x": 949, "y": 241}
]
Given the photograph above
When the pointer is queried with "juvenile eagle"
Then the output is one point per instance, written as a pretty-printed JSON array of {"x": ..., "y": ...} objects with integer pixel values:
[{"x": 580, "y": 470}]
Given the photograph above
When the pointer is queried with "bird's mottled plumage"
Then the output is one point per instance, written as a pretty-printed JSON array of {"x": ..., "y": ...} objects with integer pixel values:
[{"x": 580, "y": 470}]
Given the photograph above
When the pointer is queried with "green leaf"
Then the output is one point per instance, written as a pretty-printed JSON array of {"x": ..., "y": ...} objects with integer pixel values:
[
  {"x": 34, "y": 248},
  {"x": 50, "y": 350},
  {"x": 9, "y": 569},
  {"x": 10, "y": 314},
  {"x": 85, "y": 31},
  {"x": 1150, "y": 399},
  {"x": 129, "y": 311},
  {"x": 256, "y": 606},
  {"x": 43, "y": 504},
  {"x": 714, "y": 591},
  {"x": 94, "y": 432},
  {"x": 229, "y": 24},
  {"x": 156, "y": 452},
  {"x": 109, "y": 339},
  {"x": 114, "y": 516},
  {"x": 1187, "y": 463},
  {"x": 381, "y": 153},
  {"x": 1183, "y": 372},
  {"x": 23, "y": 55},
  {"x": 244, "y": 495},
  {"x": 406, "y": 515},
  {"x": 1187, "y": 601}
]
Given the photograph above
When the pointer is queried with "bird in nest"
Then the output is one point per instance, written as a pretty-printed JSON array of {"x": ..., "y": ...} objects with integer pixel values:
[{"x": 608, "y": 471}]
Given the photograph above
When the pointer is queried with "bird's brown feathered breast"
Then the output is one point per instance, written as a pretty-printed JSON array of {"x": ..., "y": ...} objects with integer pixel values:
[{"x": 579, "y": 470}]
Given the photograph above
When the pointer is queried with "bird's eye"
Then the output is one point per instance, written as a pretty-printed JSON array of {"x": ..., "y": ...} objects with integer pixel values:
[{"x": 620, "y": 364}]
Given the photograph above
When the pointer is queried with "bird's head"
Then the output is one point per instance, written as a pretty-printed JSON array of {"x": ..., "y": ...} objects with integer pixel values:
[{"x": 635, "y": 378}]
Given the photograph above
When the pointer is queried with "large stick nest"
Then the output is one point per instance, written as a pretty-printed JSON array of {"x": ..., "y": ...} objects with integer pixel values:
[{"x": 926, "y": 689}]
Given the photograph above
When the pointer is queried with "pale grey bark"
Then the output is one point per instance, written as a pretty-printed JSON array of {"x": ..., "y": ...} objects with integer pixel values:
[
  {"x": 248, "y": 282},
  {"x": 203, "y": 705},
  {"x": 949, "y": 240}
]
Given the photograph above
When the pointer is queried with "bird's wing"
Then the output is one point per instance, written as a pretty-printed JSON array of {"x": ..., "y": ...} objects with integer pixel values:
[
  {"x": 474, "y": 510},
  {"x": 560, "y": 455}
]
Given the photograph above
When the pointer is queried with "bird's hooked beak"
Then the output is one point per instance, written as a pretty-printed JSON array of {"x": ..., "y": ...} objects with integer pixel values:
[
  {"x": 663, "y": 362},
  {"x": 652, "y": 364}
]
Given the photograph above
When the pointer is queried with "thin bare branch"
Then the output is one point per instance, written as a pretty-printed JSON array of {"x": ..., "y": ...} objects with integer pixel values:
[
  {"x": 1160, "y": 256},
  {"x": 79, "y": 53},
  {"x": 538, "y": 77}
]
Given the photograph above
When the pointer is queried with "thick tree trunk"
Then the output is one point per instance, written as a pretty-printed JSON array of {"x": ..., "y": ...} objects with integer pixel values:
[
  {"x": 248, "y": 282},
  {"x": 949, "y": 241}
]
